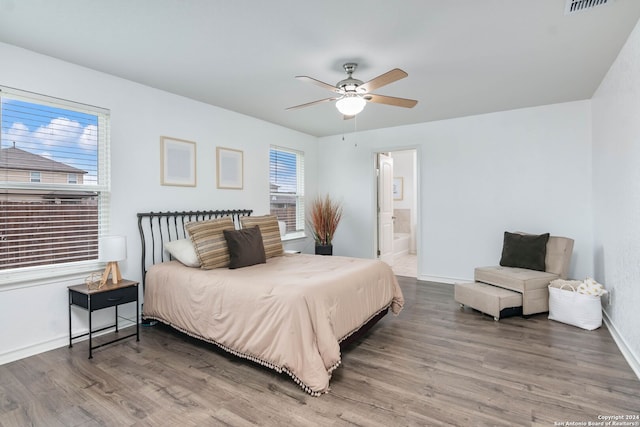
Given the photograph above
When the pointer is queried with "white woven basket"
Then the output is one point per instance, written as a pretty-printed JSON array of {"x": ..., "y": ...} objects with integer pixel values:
[{"x": 573, "y": 308}]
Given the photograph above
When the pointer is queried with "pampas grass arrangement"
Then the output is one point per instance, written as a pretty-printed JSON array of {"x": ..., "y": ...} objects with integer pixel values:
[{"x": 324, "y": 216}]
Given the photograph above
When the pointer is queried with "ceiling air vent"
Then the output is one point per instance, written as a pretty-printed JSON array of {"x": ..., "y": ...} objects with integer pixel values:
[{"x": 573, "y": 6}]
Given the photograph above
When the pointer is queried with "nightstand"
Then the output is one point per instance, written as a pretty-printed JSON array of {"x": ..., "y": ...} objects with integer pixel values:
[{"x": 109, "y": 295}]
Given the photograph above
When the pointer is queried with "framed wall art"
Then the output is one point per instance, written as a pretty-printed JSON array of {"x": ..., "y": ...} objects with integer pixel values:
[
  {"x": 398, "y": 189},
  {"x": 229, "y": 170},
  {"x": 177, "y": 162}
]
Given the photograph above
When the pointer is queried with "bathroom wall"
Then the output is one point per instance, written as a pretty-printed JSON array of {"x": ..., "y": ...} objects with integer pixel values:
[{"x": 405, "y": 208}]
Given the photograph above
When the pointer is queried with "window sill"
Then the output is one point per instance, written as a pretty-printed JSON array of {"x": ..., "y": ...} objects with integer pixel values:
[
  {"x": 19, "y": 278},
  {"x": 294, "y": 236}
]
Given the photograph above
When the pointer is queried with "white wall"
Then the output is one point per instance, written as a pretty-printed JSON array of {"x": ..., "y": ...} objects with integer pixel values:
[
  {"x": 616, "y": 191},
  {"x": 526, "y": 170},
  {"x": 37, "y": 312}
]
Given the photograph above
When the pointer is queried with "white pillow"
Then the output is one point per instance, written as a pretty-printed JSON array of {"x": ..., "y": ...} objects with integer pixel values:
[{"x": 183, "y": 251}]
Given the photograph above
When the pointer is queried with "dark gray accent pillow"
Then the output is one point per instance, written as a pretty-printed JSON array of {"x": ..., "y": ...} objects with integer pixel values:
[
  {"x": 245, "y": 247},
  {"x": 524, "y": 251}
]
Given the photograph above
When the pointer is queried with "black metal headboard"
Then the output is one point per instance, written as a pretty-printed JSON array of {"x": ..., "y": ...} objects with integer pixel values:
[{"x": 156, "y": 228}]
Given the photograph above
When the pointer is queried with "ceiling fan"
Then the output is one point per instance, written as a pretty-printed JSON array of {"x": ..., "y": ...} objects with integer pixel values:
[{"x": 353, "y": 94}]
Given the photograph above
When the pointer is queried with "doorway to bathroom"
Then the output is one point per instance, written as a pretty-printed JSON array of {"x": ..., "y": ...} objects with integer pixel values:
[{"x": 397, "y": 210}]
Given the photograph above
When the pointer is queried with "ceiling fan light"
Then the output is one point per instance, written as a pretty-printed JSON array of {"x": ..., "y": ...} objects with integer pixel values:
[{"x": 350, "y": 105}]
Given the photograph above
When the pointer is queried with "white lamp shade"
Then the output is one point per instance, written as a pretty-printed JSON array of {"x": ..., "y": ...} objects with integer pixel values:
[
  {"x": 112, "y": 248},
  {"x": 283, "y": 228},
  {"x": 350, "y": 105}
]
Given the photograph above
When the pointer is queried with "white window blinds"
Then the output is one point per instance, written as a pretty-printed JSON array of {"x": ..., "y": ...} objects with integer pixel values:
[
  {"x": 286, "y": 182},
  {"x": 56, "y": 218}
]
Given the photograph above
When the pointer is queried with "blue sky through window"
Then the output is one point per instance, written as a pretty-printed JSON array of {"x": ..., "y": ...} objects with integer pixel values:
[
  {"x": 282, "y": 171},
  {"x": 66, "y": 136}
]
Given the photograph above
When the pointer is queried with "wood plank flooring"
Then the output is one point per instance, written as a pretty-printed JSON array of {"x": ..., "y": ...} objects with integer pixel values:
[{"x": 433, "y": 365}]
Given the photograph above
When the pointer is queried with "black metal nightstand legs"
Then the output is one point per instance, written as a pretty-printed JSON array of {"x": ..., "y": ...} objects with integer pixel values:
[
  {"x": 111, "y": 295},
  {"x": 70, "y": 336}
]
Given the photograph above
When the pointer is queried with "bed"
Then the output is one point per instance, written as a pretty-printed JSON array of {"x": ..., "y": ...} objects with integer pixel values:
[{"x": 290, "y": 313}]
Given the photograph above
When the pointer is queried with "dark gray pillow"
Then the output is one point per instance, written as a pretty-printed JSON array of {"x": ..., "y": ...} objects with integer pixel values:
[
  {"x": 524, "y": 251},
  {"x": 245, "y": 247}
]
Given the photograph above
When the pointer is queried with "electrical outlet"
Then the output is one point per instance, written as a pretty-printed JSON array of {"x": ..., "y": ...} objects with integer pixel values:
[{"x": 609, "y": 297}]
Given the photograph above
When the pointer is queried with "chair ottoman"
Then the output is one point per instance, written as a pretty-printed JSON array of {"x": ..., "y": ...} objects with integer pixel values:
[
  {"x": 495, "y": 301},
  {"x": 532, "y": 284}
]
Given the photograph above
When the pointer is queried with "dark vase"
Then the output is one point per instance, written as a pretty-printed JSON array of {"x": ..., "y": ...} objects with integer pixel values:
[{"x": 324, "y": 249}]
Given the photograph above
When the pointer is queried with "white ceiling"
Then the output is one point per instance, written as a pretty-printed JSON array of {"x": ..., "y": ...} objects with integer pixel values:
[{"x": 463, "y": 57}]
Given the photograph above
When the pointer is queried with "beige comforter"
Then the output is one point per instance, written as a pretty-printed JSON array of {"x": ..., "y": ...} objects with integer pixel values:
[{"x": 289, "y": 314}]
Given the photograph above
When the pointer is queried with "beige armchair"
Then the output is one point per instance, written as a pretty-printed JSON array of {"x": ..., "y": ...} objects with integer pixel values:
[{"x": 498, "y": 290}]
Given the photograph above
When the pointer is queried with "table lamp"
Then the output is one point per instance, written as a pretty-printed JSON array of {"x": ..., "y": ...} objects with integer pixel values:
[{"x": 112, "y": 249}]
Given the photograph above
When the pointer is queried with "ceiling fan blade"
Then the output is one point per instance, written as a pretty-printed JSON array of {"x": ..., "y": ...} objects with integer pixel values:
[
  {"x": 319, "y": 83},
  {"x": 383, "y": 79},
  {"x": 391, "y": 100},
  {"x": 347, "y": 117},
  {"x": 308, "y": 104}
]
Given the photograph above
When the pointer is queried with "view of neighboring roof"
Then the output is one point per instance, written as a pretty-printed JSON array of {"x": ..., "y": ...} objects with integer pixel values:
[{"x": 15, "y": 158}]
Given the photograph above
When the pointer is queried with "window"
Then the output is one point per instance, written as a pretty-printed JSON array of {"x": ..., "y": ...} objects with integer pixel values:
[
  {"x": 54, "y": 185},
  {"x": 286, "y": 182}
]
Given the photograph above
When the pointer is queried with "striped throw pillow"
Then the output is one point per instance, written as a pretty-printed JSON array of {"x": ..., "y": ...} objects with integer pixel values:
[
  {"x": 270, "y": 231},
  {"x": 209, "y": 242}
]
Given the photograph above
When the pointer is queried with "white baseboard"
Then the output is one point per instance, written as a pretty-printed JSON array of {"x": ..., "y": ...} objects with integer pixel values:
[
  {"x": 54, "y": 343},
  {"x": 32, "y": 350},
  {"x": 446, "y": 280},
  {"x": 628, "y": 354}
]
